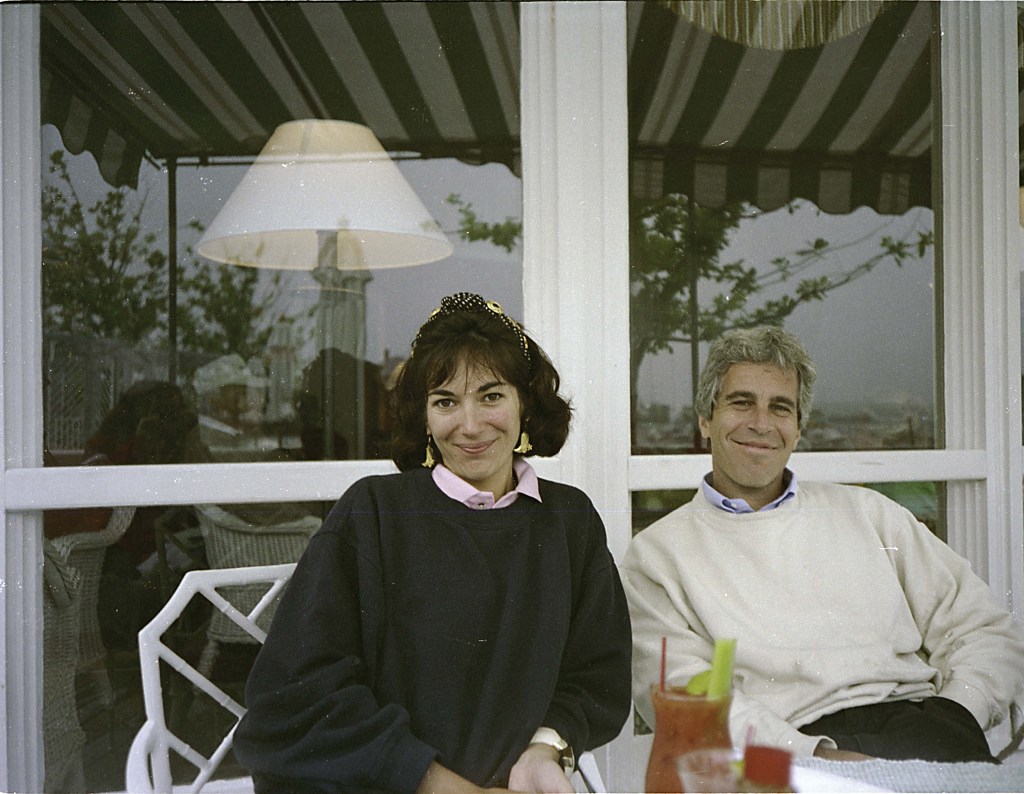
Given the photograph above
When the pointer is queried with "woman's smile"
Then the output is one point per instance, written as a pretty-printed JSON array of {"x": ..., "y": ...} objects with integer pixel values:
[{"x": 475, "y": 419}]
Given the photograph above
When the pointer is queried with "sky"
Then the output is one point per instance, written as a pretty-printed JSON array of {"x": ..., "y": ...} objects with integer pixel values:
[{"x": 872, "y": 339}]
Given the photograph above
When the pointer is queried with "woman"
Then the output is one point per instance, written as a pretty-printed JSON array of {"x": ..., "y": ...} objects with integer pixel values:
[{"x": 458, "y": 625}]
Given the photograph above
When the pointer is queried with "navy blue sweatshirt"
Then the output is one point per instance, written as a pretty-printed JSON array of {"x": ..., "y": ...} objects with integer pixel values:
[{"x": 418, "y": 629}]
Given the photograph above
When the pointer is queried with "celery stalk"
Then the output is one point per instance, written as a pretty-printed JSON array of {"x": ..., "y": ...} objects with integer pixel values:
[{"x": 720, "y": 682}]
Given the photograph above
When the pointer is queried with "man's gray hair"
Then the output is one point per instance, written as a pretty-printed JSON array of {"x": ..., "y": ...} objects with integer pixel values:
[{"x": 765, "y": 344}]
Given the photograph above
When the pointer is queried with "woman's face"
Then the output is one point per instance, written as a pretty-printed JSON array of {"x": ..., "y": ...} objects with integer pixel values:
[{"x": 475, "y": 419}]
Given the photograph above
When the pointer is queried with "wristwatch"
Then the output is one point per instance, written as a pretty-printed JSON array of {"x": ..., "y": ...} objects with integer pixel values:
[{"x": 566, "y": 756}]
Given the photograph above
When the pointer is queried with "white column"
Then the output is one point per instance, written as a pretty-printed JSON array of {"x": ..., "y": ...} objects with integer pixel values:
[
  {"x": 576, "y": 249},
  {"x": 576, "y": 252},
  {"x": 981, "y": 273},
  {"x": 21, "y": 745}
]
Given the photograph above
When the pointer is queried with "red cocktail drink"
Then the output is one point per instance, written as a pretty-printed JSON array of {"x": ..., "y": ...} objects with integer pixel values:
[{"x": 683, "y": 722}]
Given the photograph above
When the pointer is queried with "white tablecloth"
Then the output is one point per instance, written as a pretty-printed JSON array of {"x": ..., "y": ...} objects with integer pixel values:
[{"x": 816, "y": 774}]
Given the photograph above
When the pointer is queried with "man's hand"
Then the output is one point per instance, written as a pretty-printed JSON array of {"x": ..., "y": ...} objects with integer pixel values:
[
  {"x": 538, "y": 770},
  {"x": 830, "y": 754}
]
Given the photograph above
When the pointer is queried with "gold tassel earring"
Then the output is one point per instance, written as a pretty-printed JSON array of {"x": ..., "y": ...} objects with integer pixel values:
[
  {"x": 524, "y": 444},
  {"x": 428, "y": 461}
]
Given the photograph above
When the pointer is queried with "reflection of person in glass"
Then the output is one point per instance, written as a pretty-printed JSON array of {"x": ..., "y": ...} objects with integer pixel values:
[
  {"x": 859, "y": 633},
  {"x": 150, "y": 423},
  {"x": 231, "y": 391},
  {"x": 341, "y": 418},
  {"x": 460, "y": 624}
]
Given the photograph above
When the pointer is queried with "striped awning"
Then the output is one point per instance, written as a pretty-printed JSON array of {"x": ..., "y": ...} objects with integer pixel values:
[
  {"x": 204, "y": 79},
  {"x": 845, "y": 124}
]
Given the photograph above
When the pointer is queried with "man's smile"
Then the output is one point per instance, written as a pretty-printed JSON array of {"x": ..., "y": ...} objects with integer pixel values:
[{"x": 755, "y": 444}]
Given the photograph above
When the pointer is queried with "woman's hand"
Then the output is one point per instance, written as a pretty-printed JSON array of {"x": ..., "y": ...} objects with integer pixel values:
[
  {"x": 440, "y": 780},
  {"x": 539, "y": 770}
]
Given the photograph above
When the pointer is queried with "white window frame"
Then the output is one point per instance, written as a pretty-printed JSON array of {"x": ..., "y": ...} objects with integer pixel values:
[
  {"x": 575, "y": 288},
  {"x": 575, "y": 147}
]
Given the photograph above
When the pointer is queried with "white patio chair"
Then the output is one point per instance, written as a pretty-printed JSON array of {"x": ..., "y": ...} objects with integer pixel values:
[
  {"x": 148, "y": 770},
  {"x": 149, "y": 759},
  {"x": 587, "y": 777},
  {"x": 1013, "y": 730}
]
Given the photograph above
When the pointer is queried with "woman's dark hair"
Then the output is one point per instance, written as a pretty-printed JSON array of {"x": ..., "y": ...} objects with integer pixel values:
[
  {"x": 149, "y": 423},
  {"x": 486, "y": 339}
]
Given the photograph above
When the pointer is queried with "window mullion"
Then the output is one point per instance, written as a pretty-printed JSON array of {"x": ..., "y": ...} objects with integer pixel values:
[
  {"x": 21, "y": 746},
  {"x": 982, "y": 284},
  {"x": 576, "y": 253}
]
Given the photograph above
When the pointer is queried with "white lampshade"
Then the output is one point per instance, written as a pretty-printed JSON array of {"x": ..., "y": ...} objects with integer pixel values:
[{"x": 317, "y": 183}]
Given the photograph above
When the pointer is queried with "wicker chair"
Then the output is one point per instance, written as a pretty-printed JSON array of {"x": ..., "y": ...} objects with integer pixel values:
[
  {"x": 63, "y": 737},
  {"x": 232, "y": 542},
  {"x": 84, "y": 551}
]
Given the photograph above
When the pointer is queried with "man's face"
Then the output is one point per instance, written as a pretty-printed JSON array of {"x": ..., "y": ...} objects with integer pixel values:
[{"x": 753, "y": 431}]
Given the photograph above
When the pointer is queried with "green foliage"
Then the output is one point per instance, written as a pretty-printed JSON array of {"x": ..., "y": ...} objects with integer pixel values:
[
  {"x": 223, "y": 311},
  {"x": 505, "y": 234},
  {"x": 665, "y": 264},
  {"x": 102, "y": 275},
  {"x": 676, "y": 244}
]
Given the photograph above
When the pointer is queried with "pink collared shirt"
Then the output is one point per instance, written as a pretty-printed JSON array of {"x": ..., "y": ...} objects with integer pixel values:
[{"x": 456, "y": 488}]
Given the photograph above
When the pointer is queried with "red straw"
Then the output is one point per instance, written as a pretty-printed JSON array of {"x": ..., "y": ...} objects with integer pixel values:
[{"x": 663, "y": 641}]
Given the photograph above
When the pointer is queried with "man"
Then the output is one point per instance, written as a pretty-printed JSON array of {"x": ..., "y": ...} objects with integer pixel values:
[{"x": 859, "y": 633}]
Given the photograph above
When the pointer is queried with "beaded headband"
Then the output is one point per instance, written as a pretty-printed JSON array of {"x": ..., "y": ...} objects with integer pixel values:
[{"x": 471, "y": 302}]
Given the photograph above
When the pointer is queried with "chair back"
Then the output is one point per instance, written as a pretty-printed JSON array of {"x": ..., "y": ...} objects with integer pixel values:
[
  {"x": 149, "y": 759},
  {"x": 63, "y": 737},
  {"x": 231, "y": 542},
  {"x": 1015, "y": 729},
  {"x": 84, "y": 551}
]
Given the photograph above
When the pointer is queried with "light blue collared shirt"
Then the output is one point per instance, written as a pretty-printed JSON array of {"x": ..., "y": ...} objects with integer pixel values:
[
  {"x": 740, "y": 505},
  {"x": 456, "y": 488}
]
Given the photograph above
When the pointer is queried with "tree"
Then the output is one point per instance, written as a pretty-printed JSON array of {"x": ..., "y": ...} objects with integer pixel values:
[
  {"x": 675, "y": 244},
  {"x": 224, "y": 310},
  {"x": 505, "y": 234},
  {"x": 102, "y": 275}
]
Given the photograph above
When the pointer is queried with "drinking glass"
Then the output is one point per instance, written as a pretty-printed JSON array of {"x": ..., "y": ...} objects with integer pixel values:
[
  {"x": 683, "y": 722},
  {"x": 712, "y": 769}
]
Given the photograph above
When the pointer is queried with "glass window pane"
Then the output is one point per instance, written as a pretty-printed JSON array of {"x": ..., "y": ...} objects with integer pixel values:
[
  {"x": 788, "y": 186},
  {"x": 96, "y": 601},
  {"x": 152, "y": 114},
  {"x": 246, "y": 347}
]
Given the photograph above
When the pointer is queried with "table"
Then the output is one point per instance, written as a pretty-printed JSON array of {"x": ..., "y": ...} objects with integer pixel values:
[{"x": 820, "y": 775}]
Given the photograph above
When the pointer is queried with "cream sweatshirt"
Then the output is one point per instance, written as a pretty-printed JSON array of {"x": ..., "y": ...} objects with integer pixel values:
[{"x": 837, "y": 598}]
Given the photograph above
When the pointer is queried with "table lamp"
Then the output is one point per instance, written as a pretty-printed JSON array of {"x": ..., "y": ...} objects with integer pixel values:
[{"x": 324, "y": 196}]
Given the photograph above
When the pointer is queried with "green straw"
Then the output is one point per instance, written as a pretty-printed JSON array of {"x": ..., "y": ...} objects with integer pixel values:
[{"x": 720, "y": 682}]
